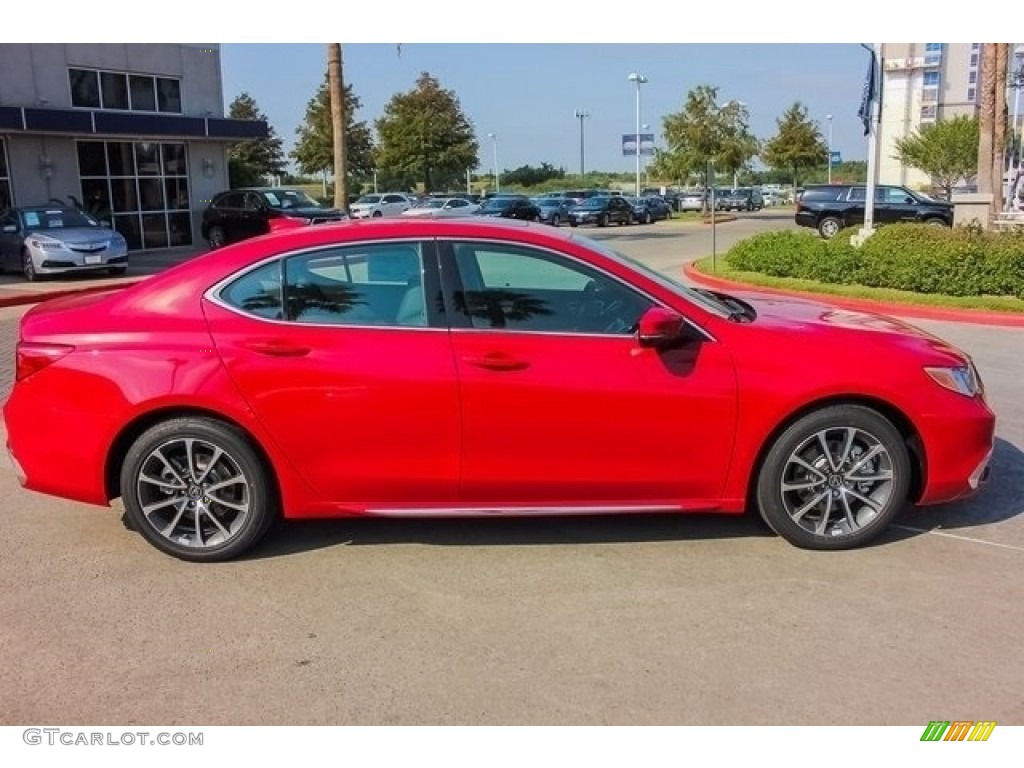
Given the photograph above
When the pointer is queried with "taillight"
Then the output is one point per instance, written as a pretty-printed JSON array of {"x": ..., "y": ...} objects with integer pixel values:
[{"x": 32, "y": 357}]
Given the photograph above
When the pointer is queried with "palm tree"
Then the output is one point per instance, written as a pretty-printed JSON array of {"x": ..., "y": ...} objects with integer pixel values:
[{"x": 335, "y": 91}]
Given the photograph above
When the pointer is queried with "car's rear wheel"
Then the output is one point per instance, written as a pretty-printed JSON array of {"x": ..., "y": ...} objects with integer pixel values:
[
  {"x": 377, "y": 214},
  {"x": 603, "y": 220},
  {"x": 216, "y": 237},
  {"x": 647, "y": 217},
  {"x": 555, "y": 220},
  {"x": 197, "y": 490},
  {"x": 829, "y": 227},
  {"x": 835, "y": 478},
  {"x": 28, "y": 266},
  {"x": 935, "y": 222}
]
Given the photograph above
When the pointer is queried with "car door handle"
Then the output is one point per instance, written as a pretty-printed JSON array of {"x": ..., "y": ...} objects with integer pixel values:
[
  {"x": 497, "y": 361},
  {"x": 276, "y": 348}
]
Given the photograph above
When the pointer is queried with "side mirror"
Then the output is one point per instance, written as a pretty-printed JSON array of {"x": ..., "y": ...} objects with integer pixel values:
[{"x": 660, "y": 327}]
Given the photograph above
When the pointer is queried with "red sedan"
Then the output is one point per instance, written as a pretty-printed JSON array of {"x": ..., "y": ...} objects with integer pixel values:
[{"x": 445, "y": 368}]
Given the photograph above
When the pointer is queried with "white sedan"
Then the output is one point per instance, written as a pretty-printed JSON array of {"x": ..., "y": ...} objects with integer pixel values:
[
  {"x": 443, "y": 208},
  {"x": 375, "y": 206}
]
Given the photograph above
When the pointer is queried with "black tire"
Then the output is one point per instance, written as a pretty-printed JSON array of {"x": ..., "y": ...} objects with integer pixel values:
[
  {"x": 602, "y": 220},
  {"x": 935, "y": 222},
  {"x": 254, "y": 491},
  {"x": 117, "y": 271},
  {"x": 216, "y": 237},
  {"x": 572, "y": 223},
  {"x": 28, "y": 267},
  {"x": 829, "y": 227},
  {"x": 866, "y": 447},
  {"x": 647, "y": 218},
  {"x": 555, "y": 220},
  {"x": 377, "y": 214}
]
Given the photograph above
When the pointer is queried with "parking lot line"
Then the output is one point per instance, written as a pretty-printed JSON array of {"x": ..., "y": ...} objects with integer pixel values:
[{"x": 957, "y": 536}]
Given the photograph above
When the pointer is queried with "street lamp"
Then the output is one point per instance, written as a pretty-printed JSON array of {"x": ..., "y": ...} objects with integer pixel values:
[
  {"x": 497, "y": 178},
  {"x": 829, "y": 118},
  {"x": 582, "y": 115},
  {"x": 643, "y": 163},
  {"x": 636, "y": 77}
]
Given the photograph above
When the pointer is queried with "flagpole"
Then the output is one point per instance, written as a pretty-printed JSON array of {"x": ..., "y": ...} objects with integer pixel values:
[{"x": 873, "y": 95}]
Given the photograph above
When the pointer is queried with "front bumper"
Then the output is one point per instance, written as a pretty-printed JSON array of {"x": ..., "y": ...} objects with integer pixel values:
[{"x": 958, "y": 443}]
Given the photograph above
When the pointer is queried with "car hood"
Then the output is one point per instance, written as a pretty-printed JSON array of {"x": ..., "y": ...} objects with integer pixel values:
[
  {"x": 312, "y": 213},
  {"x": 77, "y": 236},
  {"x": 808, "y": 321}
]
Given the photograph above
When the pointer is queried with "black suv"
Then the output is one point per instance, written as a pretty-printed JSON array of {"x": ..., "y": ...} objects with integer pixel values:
[
  {"x": 243, "y": 213},
  {"x": 830, "y": 207},
  {"x": 510, "y": 207}
]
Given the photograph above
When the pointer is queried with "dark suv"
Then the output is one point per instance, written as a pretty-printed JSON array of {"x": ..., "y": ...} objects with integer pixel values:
[
  {"x": 243, "y": 213},
  {"x": 830, "y": 207}
]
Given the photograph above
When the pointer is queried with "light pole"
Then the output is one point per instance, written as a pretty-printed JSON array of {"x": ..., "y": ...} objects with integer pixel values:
[
  {"x": 643, "y": 163},
  {"x": 636, "y": 77},
  {"x": 582, "y": 115},
  {"x": 1016, "y": 81},
  {"x": 829, "y": 118},
  {"x": 497, "y": 178}
]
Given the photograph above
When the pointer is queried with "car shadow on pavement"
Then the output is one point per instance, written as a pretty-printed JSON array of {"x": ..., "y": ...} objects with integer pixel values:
[
  {"x": 292, "y": 537},
  {"x": 1001, "y": 498}
]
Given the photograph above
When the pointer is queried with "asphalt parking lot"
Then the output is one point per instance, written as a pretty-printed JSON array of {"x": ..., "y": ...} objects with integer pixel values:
[{"x": 669, "y": 620}]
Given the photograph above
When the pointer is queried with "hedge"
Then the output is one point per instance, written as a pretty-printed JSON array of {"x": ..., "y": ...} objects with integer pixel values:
[{"x": 963, "y": 261}]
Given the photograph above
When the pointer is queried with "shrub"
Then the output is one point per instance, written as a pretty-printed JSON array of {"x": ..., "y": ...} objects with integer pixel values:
[{"x": 964, "y": 261}]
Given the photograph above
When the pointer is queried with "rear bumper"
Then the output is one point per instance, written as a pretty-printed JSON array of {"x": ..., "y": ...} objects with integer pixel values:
[{"x": 806, "y": 219}]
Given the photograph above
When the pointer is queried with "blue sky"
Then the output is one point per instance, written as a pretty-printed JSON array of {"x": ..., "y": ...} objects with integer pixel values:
[{"x": 526, "y": 93}]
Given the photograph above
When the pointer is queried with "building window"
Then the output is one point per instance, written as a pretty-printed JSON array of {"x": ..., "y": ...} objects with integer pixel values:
[
  {"x": 93, "y": 89},
  {"x": 931, "y": 79},
  {"x": 972, "y": 94},
  {"x": 931, "y": 47},
  {"x": 972, "y": 77},
  {"x": 974, "y": 60},
  {"x": 975, "y": 46},
  {"x": 5, "y": 178},
  {"x": 140, "y": 187},
  {"x": 928, "y": 112}
]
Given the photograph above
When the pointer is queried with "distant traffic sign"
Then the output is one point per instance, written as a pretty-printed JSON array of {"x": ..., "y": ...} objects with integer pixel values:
[{"x": 836, "y": 158}]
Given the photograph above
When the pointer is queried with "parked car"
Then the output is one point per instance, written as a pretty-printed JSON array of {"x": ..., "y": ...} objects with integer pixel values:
[
  {"x": 601, "y": 211},
  {"x": 239, "y": 214},
  {"x": 658, "y": 207},
  {"x": 640, "y": 214},
  {"x": 377, "y": 206},
  {"x": 670, "y": 196},
  {"x": 741, "y": 199},
  {"x": 771, "y": 197},
  {"x": 291, "y": 376},
  {"x": 510, "y": 207},
  {"x": 442, "y": 208},
  {"x": 554, "y": 210},
  {"x": 831, "y": 207},
  {"x": 49, "y": 240},
  {"x": 692, "y": 200}
]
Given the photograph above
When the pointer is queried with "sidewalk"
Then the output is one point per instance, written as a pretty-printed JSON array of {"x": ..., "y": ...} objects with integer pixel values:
[{"x": 14, "y": 289}]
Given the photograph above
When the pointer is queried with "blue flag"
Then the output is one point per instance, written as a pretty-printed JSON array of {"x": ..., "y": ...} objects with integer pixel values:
[{"x": 869, "y": 95}]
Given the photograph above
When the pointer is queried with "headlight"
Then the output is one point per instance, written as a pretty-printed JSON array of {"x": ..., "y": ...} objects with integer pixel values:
[
  {"x": 46, "y": 245},
  {"x": 963, "y": 379}
]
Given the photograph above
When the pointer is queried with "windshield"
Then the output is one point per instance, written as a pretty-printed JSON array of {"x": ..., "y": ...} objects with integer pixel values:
[
  {"x": 432, "y": 204},
  {"x": 289, "y": 198},
  {"x": 594, "y": 202},
  {"x": 680, "y": 289},
  {"x": 548, "y": 201},
  {"x": 36, "y": 219},
  {"x": 368, "y": 199}
]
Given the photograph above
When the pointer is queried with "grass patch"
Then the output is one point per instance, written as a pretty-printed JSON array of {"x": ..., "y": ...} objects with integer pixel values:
[{"x": 994, "y": 303}]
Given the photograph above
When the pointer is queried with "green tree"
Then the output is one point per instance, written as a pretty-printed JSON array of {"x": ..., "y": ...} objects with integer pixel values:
[
  {"x": 425, "y": 136},
  {"x": 798, "y": 143},
  {"x": 704, "y": 132},
  {"x": 251, "y": 161},
  {"x": 530, "y": 176},
  {"x": 314, "y": 149},
  {"x": 947, "y": 150}
]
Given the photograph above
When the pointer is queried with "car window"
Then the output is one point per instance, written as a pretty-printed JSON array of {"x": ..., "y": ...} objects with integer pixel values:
[
  {"x": 857, "y": 195},
  {"x": 357, "y": 285},
  {"x": 523, "y": 289},
  {"x": 252, "y": 201},
  {"x": 393, "y": 199},
  {"x": 897, "y": 196},
  {"x": 257, "y": 292}
]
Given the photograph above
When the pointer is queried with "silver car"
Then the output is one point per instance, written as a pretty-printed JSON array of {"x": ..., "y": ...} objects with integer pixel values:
[{"x": 49, "y": 240}]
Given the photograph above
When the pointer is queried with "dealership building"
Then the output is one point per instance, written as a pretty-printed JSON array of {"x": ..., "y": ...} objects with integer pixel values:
[{"x": 135, "y": 133}]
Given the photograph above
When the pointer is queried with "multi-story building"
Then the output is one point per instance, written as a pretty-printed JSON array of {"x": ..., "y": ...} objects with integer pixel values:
[
  {"x": 922, "y": 83},
  {"x": 134, "y": 132}
]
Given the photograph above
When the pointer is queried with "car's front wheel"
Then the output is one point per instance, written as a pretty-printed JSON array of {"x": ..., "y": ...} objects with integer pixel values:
[
  {"x": 829, "y": 227},
  {"x": 216, "y": 237},
  {"x": 835, "y": 478},
  {"x": 28, "y": 266},
  {"x": 555, "y": 220},
  {"x": 196, "y": 489}
]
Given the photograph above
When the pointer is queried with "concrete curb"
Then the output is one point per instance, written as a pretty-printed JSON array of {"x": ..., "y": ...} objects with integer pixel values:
[{"x": 976, "y": 316}]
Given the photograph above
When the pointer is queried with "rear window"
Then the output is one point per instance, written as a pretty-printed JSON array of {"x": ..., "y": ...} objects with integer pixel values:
[{"x": 812, "y": 194}]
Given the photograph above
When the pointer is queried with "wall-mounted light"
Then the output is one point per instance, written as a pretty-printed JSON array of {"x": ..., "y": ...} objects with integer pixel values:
[
  {"x": 45, "y": 166},
  {"x": 208, "y": 168}
]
